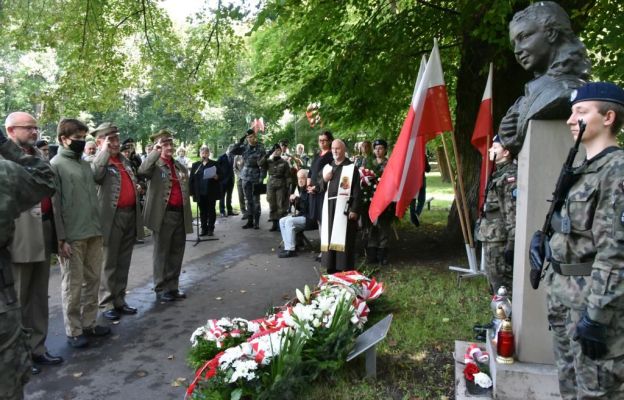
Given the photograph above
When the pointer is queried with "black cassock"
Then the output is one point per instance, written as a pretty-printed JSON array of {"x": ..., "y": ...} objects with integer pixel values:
[{"x": 342, "y": 260}]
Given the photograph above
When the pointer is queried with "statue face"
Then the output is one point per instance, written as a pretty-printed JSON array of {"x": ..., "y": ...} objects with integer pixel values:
[{"x": 532, "y": 45}]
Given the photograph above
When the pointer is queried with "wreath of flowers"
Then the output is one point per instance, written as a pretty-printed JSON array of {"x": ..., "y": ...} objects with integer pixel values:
[
  {"x": 476, "y": 370},
  {"x": 239, "y": 350}
]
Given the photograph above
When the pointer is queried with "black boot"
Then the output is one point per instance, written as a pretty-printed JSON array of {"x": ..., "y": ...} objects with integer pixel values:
[
  {"x": 371, "y": 255},
  {"x": 249, "y": 224},
  {"x": 275, "y": 227},
  {"x": 256, "y": 224},
  {"x": 382, "y": 256}
]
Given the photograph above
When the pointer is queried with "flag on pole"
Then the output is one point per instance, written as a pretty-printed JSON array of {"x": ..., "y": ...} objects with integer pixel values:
[
  {"x": 482, "y": 136},
  {"x": 427, "y": 117}
]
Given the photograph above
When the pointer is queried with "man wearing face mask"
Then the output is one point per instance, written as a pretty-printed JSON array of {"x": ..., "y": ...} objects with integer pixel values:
[
  {"x": 497, "y": 225},
  {"x": 31, "y": 248},
  {"x": 79, "y": 233}
]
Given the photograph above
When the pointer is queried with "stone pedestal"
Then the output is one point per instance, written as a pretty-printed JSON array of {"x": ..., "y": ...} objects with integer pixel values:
[{"x": 545, "y": 149}]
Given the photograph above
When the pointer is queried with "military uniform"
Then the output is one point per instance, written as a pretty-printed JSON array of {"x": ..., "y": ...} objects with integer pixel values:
[
  {"x": 25, "y": 181},
  {"x": 170, "y": 223},
  {"x": 587, "y": 275},
  {"x": 497, "y": 226},
  {"x": 122, "y": 224},
  {"x": 31, "y": 248},
  {"x": 251, "y": 174},
  {"x": 277, "y": 187},
  {"x": 378, "y": 234}
]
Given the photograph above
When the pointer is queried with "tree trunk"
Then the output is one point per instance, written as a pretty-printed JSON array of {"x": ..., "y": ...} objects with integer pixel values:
[{"x": 442, "y": 165}]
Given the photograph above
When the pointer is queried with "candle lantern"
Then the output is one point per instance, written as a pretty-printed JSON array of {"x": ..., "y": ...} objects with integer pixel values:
[{"x": 505, "y": 343}]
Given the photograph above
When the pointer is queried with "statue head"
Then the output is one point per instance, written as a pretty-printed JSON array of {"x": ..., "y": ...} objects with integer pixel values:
[{"x": 544, "y": 43}]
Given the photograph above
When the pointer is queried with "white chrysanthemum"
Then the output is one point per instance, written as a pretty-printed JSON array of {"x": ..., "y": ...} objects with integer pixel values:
[
  {"x": 199, "y": 332},
  {"x": 482, "y": 380},
  {"x": 224, "y": 323},
  {"x": 243, "y": 369}
]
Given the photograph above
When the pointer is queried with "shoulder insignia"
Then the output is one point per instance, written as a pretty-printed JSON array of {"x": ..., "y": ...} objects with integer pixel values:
[
  {"x": 514, "y": 193},
  {"x": 511, "y": 179}
]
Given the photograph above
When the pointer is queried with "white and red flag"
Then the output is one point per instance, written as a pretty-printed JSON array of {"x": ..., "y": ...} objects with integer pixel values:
[
  {"x": 482, "y": 136},
  {"x": 427, "y": 117}
]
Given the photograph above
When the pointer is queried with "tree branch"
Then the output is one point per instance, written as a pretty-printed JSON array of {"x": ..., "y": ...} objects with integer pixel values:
[
  {"x": 123, "y": 21},
  {"x": 84, "y": 27},
  {"x": 437, "y": 7},
  {"x": 149, "y": 43},
  {"x": 212, "y": 31}
]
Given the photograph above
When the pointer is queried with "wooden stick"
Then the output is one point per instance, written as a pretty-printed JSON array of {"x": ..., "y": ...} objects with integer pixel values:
[
  {"x": 457, "y": 198},
  {"x": 462, "y": 191}
]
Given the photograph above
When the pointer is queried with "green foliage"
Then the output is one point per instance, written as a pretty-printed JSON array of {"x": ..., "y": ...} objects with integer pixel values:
[{"x": 205, "y": 350}]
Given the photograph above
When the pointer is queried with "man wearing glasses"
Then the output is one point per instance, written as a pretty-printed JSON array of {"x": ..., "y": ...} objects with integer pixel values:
[{"x": 31, "y": 248}]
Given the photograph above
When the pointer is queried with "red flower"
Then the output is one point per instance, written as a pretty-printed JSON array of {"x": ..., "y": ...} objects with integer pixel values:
[{"x": 470, "y": 370}]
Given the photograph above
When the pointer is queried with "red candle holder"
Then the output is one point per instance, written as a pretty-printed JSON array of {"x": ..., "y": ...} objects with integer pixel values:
[{"x": 505, "y": 346}]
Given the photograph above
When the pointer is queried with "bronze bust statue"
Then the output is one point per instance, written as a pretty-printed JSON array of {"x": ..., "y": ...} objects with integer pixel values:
[{"x": 544, "y": 44}]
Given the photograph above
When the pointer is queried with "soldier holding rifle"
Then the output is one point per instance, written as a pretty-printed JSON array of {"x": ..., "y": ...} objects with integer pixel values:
[{"x": 585, "y": 286}]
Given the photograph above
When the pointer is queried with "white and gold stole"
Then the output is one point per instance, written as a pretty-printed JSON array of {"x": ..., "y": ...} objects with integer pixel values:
[{"x": 339, "y": 228}]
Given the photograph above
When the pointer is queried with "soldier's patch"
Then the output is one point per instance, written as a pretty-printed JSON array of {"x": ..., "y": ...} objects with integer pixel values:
[
  {"x": 514, "y": 193},
  {"x": 511, "y": 179}
]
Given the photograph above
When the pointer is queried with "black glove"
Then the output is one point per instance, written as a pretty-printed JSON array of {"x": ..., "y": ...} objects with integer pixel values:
[
  {"x": 538, "y": 254},
  {"x": 509, "y": 257},
  {"x": 3, "y": 138},
  {"x": 593, "y": 337}
]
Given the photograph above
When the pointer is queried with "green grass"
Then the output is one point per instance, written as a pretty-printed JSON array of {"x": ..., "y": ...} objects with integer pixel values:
[{"x": 415, "y": 362}]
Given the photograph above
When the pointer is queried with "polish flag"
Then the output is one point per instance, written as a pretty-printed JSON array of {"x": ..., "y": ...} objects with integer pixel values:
[
  {"x": 482, "y": 136},
  {"x": 427, "y": 117}
]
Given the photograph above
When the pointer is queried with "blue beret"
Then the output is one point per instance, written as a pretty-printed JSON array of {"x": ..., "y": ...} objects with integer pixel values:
[
  {"x": 598, "y": 91},
  {"x": 496, "y": 139}
]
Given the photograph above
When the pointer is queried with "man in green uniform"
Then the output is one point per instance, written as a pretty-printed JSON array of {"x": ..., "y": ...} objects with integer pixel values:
[
  {"x": 167, "y": 213},
  {"x": 120, "y": 216},
  {"x": 585, "y": 286},
  {"x": 497, "y": 225},
  {"x": 26, "y": 180},
  {"x": 277, "y": 188}
]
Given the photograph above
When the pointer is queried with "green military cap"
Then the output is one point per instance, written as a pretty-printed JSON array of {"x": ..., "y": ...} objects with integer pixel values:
[
  {"x": 105, "y": 129},
  {"x": 163, "y": 135}
]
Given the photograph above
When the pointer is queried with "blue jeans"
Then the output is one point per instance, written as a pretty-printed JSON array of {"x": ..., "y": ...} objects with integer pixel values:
[{"x": 289, "y": 226}]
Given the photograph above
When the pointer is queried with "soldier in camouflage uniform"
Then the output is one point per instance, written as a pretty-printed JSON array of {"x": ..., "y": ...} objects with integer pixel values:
[
  {"x": 497, "y": 225},
  {"x": 252, "y": 152},
  {"x": 25, "y": 181},
  {"x": 277, "y": 187},
  {"x": 585, "y": 286},
  {"x": 378, "y": 234}
]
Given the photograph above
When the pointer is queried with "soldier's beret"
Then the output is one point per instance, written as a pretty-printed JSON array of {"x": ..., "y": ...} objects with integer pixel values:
[
  {"x": 250, "y": 131},
  {"x": 41, "y": 143},
  {"x": 380, "y": 142},
  {"x": 129, "y": 140},
  {"x": 105, "y": 129},
  {"x": 164, "y": 135},
  {"x": 598, "y": 91},
  {"x": 496, "y": 139}
]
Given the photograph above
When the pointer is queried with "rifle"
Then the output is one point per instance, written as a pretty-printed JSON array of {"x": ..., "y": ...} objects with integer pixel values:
[
  {"x": 539, "y": 252},
  {"x": 488, "y": 184}
]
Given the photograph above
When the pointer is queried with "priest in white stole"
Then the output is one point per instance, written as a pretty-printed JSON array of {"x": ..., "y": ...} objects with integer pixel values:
[{"x": 341, "y": 208}]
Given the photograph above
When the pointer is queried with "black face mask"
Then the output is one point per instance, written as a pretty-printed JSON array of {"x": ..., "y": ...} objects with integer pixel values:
[{"x": 77, "y": 146}]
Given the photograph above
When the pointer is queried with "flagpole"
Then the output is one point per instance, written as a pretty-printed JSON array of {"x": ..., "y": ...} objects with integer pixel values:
[
  {"x": 457, "y": 199},
  {"x": 462, "y": 191}
]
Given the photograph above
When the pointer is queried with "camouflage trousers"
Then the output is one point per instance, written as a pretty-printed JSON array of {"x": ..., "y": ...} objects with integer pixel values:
[
  {"x": 580, "y": 377},
  {"x": 498, "y": 272},
  {"x": 277, "y": 197},
  {"x": 379, "y": 234},
  {"x": 15, "y": 362}
]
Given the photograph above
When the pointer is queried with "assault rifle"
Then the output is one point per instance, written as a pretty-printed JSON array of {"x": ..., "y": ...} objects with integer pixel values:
[{"x": 540, "y": 251}]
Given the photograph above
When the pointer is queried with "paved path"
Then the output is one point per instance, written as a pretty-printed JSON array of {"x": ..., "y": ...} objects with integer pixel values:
[{"x": 146, "y": 352}]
